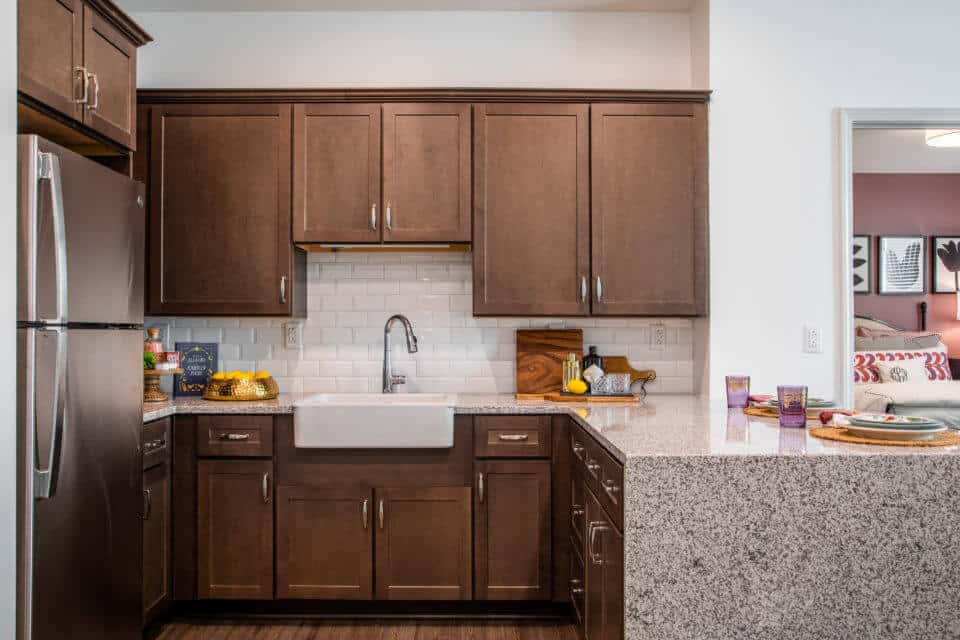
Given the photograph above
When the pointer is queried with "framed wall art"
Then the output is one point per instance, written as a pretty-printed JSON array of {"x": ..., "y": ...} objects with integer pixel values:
[
  {"x": 862, "y": 264},
  {"x": 946, "y": 263},
  {"x": 901, "y": 265}
]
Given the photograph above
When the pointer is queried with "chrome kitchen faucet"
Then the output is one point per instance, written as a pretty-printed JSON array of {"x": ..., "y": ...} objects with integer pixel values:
[{"x": 389, "y": 379}]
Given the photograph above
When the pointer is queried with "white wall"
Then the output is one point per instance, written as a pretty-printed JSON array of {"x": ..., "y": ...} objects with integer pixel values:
[
  {"x": 410, "y": 49},
  {"x": 780, "y": 69},
  {"x": 700, "y": 44},
  {"x": 8, "y": 302}
]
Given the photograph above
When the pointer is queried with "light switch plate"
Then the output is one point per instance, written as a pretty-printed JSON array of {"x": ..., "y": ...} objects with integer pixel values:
[{"x": 293, "y": 334}]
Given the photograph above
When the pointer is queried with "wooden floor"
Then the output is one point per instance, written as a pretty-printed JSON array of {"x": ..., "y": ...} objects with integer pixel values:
[{"x": 369, "y": 630}]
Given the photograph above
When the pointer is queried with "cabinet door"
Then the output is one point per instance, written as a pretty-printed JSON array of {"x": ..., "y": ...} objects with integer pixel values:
[
  {"x": 50, "y": 53},
  {"x": 649, "y": 168},
  {"x": 235, "y": 529},
  {"x": 423, "y": 544},
  {"x": 220, "y": 210},
  {"x": 611, "y": 557},
  {"x": 336, "y": 171},
  {"x": 604, "y": 575},
  {"x": 513, "y": 543},
  {"x": 324, "y": 543},
  {"x": 157, "y": 576},
  {"x": 111, "y": 59},
  {"x": 531, "y": 209},
  {"x": 426, "y": 172}
]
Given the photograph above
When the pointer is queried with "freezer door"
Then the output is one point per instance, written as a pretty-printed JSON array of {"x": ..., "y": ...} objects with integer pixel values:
[
  {"x": 79, "y": 542},
  {"x": 80, "y": 241}
]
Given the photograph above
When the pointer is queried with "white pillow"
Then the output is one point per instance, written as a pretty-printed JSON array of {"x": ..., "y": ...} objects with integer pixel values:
[{"x": 907, "y": 370}]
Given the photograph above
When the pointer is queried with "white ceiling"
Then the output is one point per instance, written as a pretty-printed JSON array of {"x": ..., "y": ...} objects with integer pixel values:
[
  {"x": 135, "y": 6},
  {"x": 900, "y": 151}
]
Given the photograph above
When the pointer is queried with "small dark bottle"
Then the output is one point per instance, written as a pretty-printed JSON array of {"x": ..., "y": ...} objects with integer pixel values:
[{"x": 591, "y": 359}]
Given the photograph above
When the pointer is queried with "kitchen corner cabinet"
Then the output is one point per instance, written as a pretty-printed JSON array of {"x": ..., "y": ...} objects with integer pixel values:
[
  {"x": 80, "y": 59},
  {"x": 424, "y": 150},
  {"x": 512, "y": 519},
  {"x": 531, "y": 238},
  {"x": 235, "y": 529},
  {"x": 649, "y": 209},
  {"x": 603, "y": 616},
  {"x": 219, "y": 211}
]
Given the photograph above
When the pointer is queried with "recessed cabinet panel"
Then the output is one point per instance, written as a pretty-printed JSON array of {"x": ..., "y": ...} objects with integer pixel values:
[
  {"x": 337, "y": 173},
  {"x": 112, "y": 61},
  {"x": 513, "y": 542},
  {"x": 157, "y": 570},
  {"x": 50, "y": 53},
  {"x": 426, "y": 172},
  {"x": 423, "y": 544},
  {"x": 220, "y": 210},
  {"x": 649, "y": 223},
  {"x": 324, "y": 543},
  {"x": 531, "y": 209}
]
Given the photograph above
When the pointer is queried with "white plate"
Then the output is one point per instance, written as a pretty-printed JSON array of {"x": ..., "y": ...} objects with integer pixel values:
[
  {"x": 895, "y": 434},
  {"x": 893, "y": 422}
]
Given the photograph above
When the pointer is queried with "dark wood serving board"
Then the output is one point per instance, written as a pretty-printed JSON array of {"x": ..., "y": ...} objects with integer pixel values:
[{"x": 540, "y": 356}]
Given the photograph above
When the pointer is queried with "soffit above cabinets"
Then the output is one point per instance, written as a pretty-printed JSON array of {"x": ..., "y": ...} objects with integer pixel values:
[{"x": 406, "y": 5}]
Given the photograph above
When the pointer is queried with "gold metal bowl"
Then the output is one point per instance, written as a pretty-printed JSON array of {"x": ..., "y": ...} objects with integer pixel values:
[{"x": 242, "y": 389}]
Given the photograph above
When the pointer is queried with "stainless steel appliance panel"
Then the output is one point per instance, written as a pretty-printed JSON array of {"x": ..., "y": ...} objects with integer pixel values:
[
  {"x": 91, "y": 219},
  {"x": 79, "y": 541}
]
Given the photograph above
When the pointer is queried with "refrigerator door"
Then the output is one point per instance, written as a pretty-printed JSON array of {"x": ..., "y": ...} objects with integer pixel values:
[
  {"x": 79, "y": 542},
  {"x": 80, "y": 240}
]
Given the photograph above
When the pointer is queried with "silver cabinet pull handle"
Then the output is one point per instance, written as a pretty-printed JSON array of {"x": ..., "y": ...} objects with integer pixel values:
[
  {"x": 576, "y": 586},
  {"x": 583, "y": 288},
  {"x": 93, "y": 106},
  {"x": 599, "y": 289},
  {"x": 387, "y": 221},
  {"x": 364, "y": 514},
  {"x": 265, "y": 487},
  {"x": 513, "y": 437},
  {"x": 380, "y": 512},
  {"x": 373, "y": 217},
  {"x": 480, "y": 486},
  {"x": 593, "y": 466},
  {"x": 595, "y": 528},
  {"x": 234, "y": 436},
  {"x": 84, "y": 84},
  {"x": 147, "y": 504},
  {"x": 283, "y": 289},
  {"x": 578, "y": 450}
]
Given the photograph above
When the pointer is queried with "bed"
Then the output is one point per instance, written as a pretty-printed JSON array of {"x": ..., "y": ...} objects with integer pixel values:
[{"x": 932, "y": 391}]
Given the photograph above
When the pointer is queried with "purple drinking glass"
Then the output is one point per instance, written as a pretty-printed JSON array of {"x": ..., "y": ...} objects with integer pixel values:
[
  {"x": 738, "y": 391},
  {"x": 793, "y": 405}
]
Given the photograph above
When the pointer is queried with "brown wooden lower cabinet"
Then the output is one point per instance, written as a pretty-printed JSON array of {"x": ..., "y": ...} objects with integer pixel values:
[
  {"x": 156, "y": 541},
  {"x": 235, "y": 529},
  {"x": 603, "y": 560},
  {"x": 512, "y": 519},
  {"x": 324, "y": 543},
  {"x": 423, "y": 543}
]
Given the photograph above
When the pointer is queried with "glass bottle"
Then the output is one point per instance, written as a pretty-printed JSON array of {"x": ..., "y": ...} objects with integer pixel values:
[{"x": 153, "y": 344}]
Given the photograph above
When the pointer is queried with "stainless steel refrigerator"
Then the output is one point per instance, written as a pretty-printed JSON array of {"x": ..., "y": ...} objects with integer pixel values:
[{"x": 80, "y": 398}]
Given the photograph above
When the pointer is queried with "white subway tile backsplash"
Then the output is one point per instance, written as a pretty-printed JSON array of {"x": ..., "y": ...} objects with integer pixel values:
[{"x": 350, "y": 297}]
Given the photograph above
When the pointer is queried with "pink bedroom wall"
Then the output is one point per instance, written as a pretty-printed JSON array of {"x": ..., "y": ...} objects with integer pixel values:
[{"x": 904, "y": 204}]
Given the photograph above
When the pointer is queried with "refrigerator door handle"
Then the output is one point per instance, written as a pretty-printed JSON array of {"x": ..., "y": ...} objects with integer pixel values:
[
  {"x": 45, "y": 480},
  {"x": 49, "y": 170}
]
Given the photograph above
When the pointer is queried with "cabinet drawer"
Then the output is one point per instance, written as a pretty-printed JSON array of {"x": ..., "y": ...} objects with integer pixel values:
[
  {"x": 586, "y": 453},
  {"x": 611, "y": 488},
  {"x": 156, "y": 439},
  {"x": 235, "y": 436},
  {"x": 512, "y": 437}
]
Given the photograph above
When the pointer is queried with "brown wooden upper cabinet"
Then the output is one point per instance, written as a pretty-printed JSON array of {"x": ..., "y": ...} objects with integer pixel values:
[
  {"x": 424, "y": 150},
  {"x": 235, "y": 529},
  {"x": 649, "y": 213},
  {"x": 79, "y": 59},
  {"x": 531, "y": 209},
  {"x": 219, "y": 214}
]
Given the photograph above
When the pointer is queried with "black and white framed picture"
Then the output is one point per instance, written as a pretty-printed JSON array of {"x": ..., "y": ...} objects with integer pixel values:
[
  {"x": 862, "y": 264},
  {"x": 946, "y": 263},
  {"x": 901, "y": 264}
]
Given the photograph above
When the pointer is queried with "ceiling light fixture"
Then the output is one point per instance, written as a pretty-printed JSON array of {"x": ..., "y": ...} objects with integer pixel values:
[{"x": 942, "y": 137}]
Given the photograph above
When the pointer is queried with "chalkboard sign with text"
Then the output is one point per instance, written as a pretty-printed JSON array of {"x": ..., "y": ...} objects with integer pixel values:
[{"x": 198, "y": 361}]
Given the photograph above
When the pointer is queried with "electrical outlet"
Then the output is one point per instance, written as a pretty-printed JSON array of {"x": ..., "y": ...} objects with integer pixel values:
[
  {"x": 292, "y": 334},
  {"x": 812, "y": 340},
  {"x": 658, "y": 337}
]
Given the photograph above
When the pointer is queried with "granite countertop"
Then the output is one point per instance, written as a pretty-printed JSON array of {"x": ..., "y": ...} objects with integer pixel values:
[{"x": 662, "y": 426}]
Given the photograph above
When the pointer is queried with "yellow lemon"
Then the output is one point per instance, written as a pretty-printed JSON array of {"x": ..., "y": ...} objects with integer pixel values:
[
  {"x": 260, "y": 375},
  {"x": 245, "y": 375},
  {"x": 219, "y": 376},
  {"x": 577, "y": 386}
]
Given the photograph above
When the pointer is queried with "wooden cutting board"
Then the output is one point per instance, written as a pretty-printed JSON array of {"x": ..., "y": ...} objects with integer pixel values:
[
  {"x": 540, "y": 356},
  {"x": 619, "y": 364}
]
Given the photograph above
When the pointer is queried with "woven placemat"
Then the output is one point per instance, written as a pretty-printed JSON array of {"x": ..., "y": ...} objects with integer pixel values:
[
  {"x": 764, "y": 412},
  {"x": 943, "y": 439}
]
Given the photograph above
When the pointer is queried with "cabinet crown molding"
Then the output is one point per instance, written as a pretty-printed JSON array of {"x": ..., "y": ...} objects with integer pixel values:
[
  {"x": 119, "y": 19},
  {"x": 340, "y": 95}
]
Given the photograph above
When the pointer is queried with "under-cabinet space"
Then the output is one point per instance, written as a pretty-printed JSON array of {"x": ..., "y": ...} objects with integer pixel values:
[
  {"x": 235, "y": 529},
  {"x": 513, "y": 530},
  {"x": 324, "y": 543}
]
